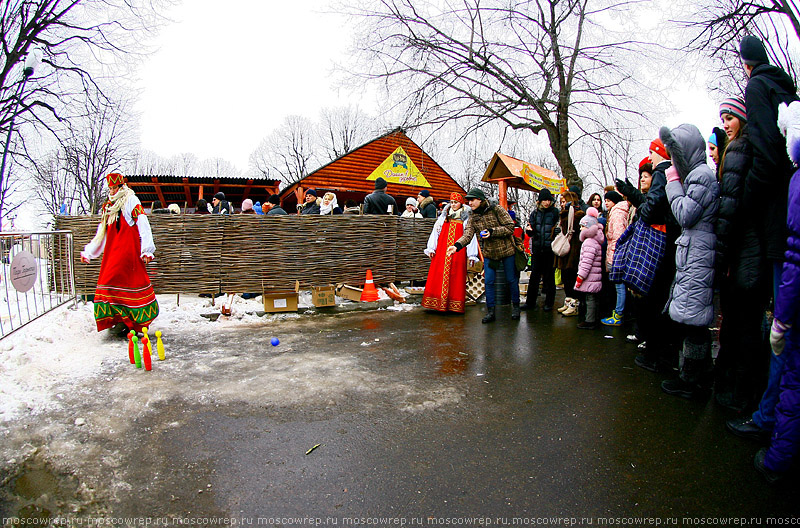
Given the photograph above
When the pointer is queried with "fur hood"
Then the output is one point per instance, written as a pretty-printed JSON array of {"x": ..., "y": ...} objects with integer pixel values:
[
  {"x": 686, "y": 146},
  {"x": 466, "y": 211},
  {"x": 789, "y": 125}
]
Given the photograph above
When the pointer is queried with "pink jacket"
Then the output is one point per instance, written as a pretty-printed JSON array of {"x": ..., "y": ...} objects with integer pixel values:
[
  {"x": 617, "y": 223},
  {"x": 590, "y": 267}
]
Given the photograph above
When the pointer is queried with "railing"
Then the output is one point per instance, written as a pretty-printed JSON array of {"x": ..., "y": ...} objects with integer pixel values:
[{"x": 37, "y": 276}]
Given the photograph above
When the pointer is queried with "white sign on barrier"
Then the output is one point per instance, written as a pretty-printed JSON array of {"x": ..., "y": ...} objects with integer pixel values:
[{"x": 23, "y": 271}]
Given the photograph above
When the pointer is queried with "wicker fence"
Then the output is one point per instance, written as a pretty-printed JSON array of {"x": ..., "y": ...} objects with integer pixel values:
[{"x": 205, "y": 253}]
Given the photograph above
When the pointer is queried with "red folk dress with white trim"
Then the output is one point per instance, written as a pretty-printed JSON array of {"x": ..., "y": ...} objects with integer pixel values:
[{"x": 124, "y": 293}]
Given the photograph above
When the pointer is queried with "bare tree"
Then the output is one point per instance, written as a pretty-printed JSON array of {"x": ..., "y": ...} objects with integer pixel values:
[
  {"x": 78, "y": 40},
  {"x": 543, "y": 66},
  {"x": 342, "y": 129},
  {"x": 288, "y": 153},
  {"x": 219, "y": 168},
  {"x": 719, "y": 26},
  {"x": 53, "y": 185}
]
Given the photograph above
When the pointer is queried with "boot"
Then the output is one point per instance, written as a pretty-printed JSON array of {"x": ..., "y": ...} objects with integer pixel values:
[
  {"x": 515, "y": 311},
  {"x": 688, "y": 383},
  {"x": 614, "y": 320},
  {"x": 566, "y": 305},
  {"x": 489, "y": 317},
  {"x": 572, "y": 309}
]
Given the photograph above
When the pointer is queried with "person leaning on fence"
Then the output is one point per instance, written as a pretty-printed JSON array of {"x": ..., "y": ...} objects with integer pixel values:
[
  {"x": 221, "y": 205},
  {"x": 426, "y": 206},
  {"x": 411, "y": 209},
  {"x": 201, "y": 207},
  {"x": 495, "y": 231},
  {"x": 247, "y": 207},
  {"x": 379, "y": 202},
  {"x": 158, "y": 208},
  {"x": 273, "y": 206},
  {"x": 329, "y": 205},
  {"x": 351, "y": 207},
  {"x": 310, "y": 205},
  {"x": 124, "y": 298}
]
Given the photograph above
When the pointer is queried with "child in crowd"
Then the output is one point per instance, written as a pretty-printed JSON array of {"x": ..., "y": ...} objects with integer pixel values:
[{"x": 590, "y": 267}]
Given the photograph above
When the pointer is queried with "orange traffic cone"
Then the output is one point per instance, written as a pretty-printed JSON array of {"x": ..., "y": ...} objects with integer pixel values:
[{"x": 370, "y": 292}]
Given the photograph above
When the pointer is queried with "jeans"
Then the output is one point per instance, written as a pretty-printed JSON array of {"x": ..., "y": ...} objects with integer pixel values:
[
  {"x": 512, "y": 279},
  {"x": 620, "y": 308},
  {"x": 764, "y": 417}
]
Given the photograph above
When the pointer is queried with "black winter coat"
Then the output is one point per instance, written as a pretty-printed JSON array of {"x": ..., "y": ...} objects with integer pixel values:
[
  {"x": 740, "y": 256},
  {"x": 653, "y": 208},
  {"x": 540, "y": 228},
  {"x": 766, "y": 185},
  {"x": 378, "y": 203}
]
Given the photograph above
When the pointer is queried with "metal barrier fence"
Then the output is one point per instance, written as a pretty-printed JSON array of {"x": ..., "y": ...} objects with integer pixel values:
[{"x": 37, "y": 276}]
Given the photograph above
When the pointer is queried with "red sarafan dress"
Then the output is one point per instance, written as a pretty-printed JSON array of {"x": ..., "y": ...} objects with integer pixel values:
[
  {"x": 446, "y": 287},
  {"x": 124, "y": 293}
]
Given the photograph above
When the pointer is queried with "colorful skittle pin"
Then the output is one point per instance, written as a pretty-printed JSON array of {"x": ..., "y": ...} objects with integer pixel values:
[
  {"x": 136, "y": 355},
  {"x": 159, "y": 345},
  {"x": 147, "y": 337},
  {"x": 148, "y": 364},
  {"x": 130, "y": 346}
]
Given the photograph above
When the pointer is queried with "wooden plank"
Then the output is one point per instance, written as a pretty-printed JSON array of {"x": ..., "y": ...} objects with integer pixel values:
[
  {"x": 187, "y": 191},
  {"x": 158, "y": 191}
]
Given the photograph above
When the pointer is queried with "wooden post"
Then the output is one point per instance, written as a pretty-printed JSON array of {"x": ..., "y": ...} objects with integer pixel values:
[{"x": 503, "y": 189}]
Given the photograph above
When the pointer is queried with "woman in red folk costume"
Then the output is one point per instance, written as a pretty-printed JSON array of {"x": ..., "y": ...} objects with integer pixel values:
[
  {"x": 124, "y": 294},
  {"x": 446, "y": 287}
]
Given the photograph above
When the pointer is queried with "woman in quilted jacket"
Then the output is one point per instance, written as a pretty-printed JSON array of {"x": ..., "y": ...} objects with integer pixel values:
[
  {"x": 693, "y": 194},
  {"x": 590, "y": 268}
]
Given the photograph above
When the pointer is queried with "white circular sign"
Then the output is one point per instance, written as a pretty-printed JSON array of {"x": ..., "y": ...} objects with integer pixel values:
[{"x": 23, "y": 271}]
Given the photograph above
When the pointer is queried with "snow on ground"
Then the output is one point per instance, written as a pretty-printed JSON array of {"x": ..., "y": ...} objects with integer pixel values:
[{"x": 63, "y": 349}]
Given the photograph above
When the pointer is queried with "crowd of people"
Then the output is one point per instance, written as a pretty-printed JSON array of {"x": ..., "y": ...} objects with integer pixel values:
[
  {"x": 658, "y": 251},
  {"x": 653, "y": 253}
]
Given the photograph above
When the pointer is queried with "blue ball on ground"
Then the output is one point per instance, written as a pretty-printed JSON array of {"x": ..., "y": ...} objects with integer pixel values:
[{"x": 275, "y": 341}]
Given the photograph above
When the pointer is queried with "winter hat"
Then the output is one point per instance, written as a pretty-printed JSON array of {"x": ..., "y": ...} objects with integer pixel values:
[
  {"x": 312, "y": 192},
  {"x": 545, "y": 194},
  {"x": 273, "y": 199},
  {"x": 115, "y": 178},
  {"x": 456, "y": 197},
  {"x": 220, "y": 195},
  {"x": 380, "y": 183},
  {"x": 645, "y": 161},
  {"x": 590, "y": 218},
  {"x": 475, "y": 193},
  {"x": 174, "y": 209},
  {"x": 576, "y": 190},
  {"x": 735, "y": 107},
  {"x": 247, "y": 205},
  {"x": 752, "y": 51},
  {"x": 513, "y": 215},
  {"x": 424, "y": 193},
  {"x": 411, "y": 201},
  {"x": 658, "y": 147},
  {"x": 257, "y": 208},
  {"x": 713, "y": 139},
  {"x": 614, "y": 196}
]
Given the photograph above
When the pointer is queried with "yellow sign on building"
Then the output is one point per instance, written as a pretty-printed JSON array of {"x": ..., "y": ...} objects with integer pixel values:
[
  {"x": 398, "y": 168},
  {"x": 540, "y": 181}
]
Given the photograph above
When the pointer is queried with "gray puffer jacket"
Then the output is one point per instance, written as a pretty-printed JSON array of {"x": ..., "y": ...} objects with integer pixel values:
[{"x": 694, "y": 202}]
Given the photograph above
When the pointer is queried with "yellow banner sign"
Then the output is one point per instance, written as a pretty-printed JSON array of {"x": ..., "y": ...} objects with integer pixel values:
[
  {"x": 398, "y": 168},
  {"x": 540, "y": 181}
]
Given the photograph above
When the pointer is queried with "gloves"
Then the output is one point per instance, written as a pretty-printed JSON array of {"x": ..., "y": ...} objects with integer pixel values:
[
  {"x": 776, "y": 336},
  {"x": 578, "y": 282},
  {"x": 672, "y": 174},
  {"x": 624, "y": 187}
]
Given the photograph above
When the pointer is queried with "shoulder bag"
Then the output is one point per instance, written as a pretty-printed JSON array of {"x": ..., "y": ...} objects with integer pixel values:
[{"x": 560, "y": 243}]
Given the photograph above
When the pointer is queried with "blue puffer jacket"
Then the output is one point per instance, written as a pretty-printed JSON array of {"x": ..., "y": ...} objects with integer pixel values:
[{"x": 694, "y": 203}]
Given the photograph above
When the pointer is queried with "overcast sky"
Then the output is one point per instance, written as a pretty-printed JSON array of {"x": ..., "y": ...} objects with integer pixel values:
[
  {"x": 222, "y": 79},
  {"x": 227, "y": 73}
]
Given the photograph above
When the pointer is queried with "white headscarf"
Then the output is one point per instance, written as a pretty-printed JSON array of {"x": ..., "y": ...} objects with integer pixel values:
[{"x": 328, "y": 209}]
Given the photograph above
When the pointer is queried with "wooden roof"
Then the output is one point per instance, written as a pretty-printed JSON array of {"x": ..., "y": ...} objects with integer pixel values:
[
  {"x": 188, "y": 189},
  {"x": 510, "y": 170},
  {"x": 348, "y": 175}
]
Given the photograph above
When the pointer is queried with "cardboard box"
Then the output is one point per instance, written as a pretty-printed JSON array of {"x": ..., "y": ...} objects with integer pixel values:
[
  {"x": 281, "y": 300},
  {"x": 323, "y": 296},
  {"x": 351, "y": 293}
]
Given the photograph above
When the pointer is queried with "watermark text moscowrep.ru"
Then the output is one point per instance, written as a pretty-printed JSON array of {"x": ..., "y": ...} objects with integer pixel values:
[{"x": 376, "y": 521}]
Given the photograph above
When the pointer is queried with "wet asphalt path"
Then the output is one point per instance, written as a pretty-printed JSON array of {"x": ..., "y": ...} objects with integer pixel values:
[{"x": 526, "y": 419}]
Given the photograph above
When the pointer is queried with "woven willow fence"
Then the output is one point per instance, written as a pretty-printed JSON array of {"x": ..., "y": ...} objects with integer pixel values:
[{"x": 205, "y": 253}]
